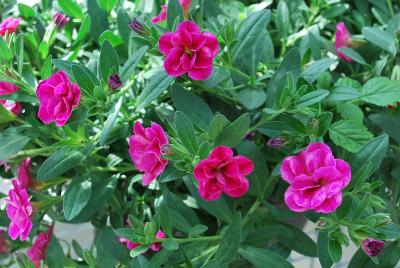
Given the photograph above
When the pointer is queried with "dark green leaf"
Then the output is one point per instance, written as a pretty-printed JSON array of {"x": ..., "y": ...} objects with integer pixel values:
[
  {"x": 312, "y": 98},
  {"x": 349, "y": 134},
  {"x": 262, "y": 257},
  {"x": 315, "y": 69},
  {"x": 175, "y": 13},
  {"x": 234, "y": 132},
  {"x": 184, "y": 128},
  {"x": 76, "y": 197},
  {"x": 108, "y": 61},
  {"x": 381, "y": 91},
  {"x": 353, "y": 54},
  {"x": 335, "y": 250},
  {"x": 381, "y": 39},
  {"x": 111, "y": 121},
  {"x": 11, "y": 144},
  {"x": 323, "y": 253},
  {"x": 130, "y": 65},
  {"x": 230, "y": 241}
]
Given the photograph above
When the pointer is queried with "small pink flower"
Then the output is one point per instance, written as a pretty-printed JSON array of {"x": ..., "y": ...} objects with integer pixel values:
[
  {"x": 9, "y": 25},
  {"x": 316, "y": 179},
  {"x": 3, "y": 243},
  {"x": 188, "y": 50},
  {"x": 164, "y": 10},
  {"x": 24, "y": 176},
  {"x": 221, "y": 173},
  {"x": 7, "y": 88},
  {"x": 342, "y": 39},
  {"x": 60, "y": 20},
  {"x": 58, "y": 97},
  {"x": 145, "y": 149},
  {"x": 372, "y": 247},
  {"x": 38, "y": 250},
  {"x": 19, "y": 211},
  {"x": 156, "y": 246}
]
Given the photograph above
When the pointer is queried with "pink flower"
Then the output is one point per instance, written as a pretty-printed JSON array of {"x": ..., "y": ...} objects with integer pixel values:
[
  {"x": 316, "y": 179},
  {"x": 3, "y": 243},
  {"x": 24, "y": 177},
  {"x": 9, "y": 25},
  {"x": 188, "y": 50},
  {"x": 58, "y": 97},
  {"x": 60, "y": 20},
  {"x": 372, "y": 247},
  {"x": 164, "y": 10},
  {"x": 156, "y": 246},
  {"x": 145, "y": 149},
  {"x": 7, "y": 88},
  {"x": 19, "y": 211},
  {"x": 221, "y": 173},
  {"x": 38, "y": 250},
  {"x": 342, "y": 39}
]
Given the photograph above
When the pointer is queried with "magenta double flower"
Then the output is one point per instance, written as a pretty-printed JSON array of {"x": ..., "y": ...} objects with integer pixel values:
[
  {"x": 316, "y": 179},
  {"x": 39, "y": 247},
  {"x": 7, "y": 88},
  {"x": 58, "y": 97},
  {"x": 221, "y": 173},
  {"x": 188, "y": 50},
  {"x": 145, "y": 148},
  {"x": 9, "y": 25}
]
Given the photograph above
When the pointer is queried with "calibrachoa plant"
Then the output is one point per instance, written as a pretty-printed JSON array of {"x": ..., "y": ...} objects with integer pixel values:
[{"x": 202, "y": 133}]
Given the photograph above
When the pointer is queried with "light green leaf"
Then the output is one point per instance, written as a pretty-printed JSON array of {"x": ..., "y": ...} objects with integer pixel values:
[
  {"x": 349, "y": 135},
  {"x": 316, "y": 68},
  {"x": 130, "y": 65},
  {"x": 234, "y": 132},
  {"x": 111, "y": 121},
  {"x": 71, "y": 8},
  {"x": 353, "y": 54},
  {"x": 312, "y": 98},
  {"x": 175, "y": 13},
  {"x": 380, "y": 38},
  {"x": 381, "y": 91},
  {"x": 10, "y": 145}
]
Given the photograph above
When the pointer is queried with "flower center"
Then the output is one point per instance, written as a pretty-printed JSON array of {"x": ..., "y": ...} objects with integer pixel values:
[{"x": 187, "y": 50}]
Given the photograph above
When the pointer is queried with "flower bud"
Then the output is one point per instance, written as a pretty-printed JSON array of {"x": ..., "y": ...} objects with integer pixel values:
[
  {"x": 372, "y": 247},
  {"x": 276, "y": 143},
  {"x": 138, "y": 27},
  {"x": 114, "y": 81},
  {"x": 250, "y": 136},
  {"x": 60, "y": 20}
]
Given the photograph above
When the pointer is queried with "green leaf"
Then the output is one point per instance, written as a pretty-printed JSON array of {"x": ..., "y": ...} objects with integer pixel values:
[
  {"x": 300, "y": 242},
  {"x": 159, "y": 259},
  {"x": 26, "y": 11},
  {"x": 230, "y": 242},
  {"x": 350, "y": 111},
  {"x": 323, "y": 253},
  {"x": 64, "y": 65},
  {"x": 60, "y": 162},
  {"x": 282, "y": 19},
  {"x": 11, "y": 144},
  {"x": 273, "y": 128},
  {"x": 111, "y": 121},
  {"x": 344, "y": 93},
  {"x": 123, "y": 21},
  {"x": 19, "y": 53},
  {"x": 108, "y": 250},
  {"x": 175, "y": 13},
  {"x": 54, "y": 254},
  {"x": 262, "y": 257},
  {"x": 5, "y": 52},
  {"x": 109, "y": 63},
  {"x": 369, "y": 157},
  {"x": 71, "y": 8},
  {"x": 352, "y": 54},
  {"x": 251, "y": 98},
  {"x": 381, "y": 91},
  {"x": 184, "y": 128},
  {"x": 251, "y": 35},
  {"x": 197, "y": 230},
  {"x": 312, "y": 98},
  {"x": 325, "y": 120},
  {"x": 234, "y": 132},
  {"x": 84, "y": 30},
  {"x": 85, "y": 78},
  {"x": 389, "y": 123},
  {"x": 158, "y": 83},
  {"x": 218, "y": 124},
  {"x": 170, "y": 244},
  {"x": 130, "y": 65},
  {"x": 259, "y": 177},
  {"x": 335, "y": 250},
  {"x": 194, "y": 107},
  {"x": 315, "y": 69},
  {"x": 165, "y": 218},
  {"x": 99, "y": 19},
  {"x": 23, "y": 261},
  {"x": 76, "y": 198},
  {"x": 46, "y": 69},
  {"x": 107, "y": 5},
  {"x": 381, "y": 39},
  {"x": 219, "y": 208},
  {"x": 349, "y": 135},
  {"x": 114, "y": 39}
]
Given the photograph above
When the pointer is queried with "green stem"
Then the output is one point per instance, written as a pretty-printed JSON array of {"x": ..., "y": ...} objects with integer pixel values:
[
  {"x": 389, "y": 3},
  {"x": 198, "y": 239},
  {"x": 252, "y": 209},
  {"x": 233, "y": 69}
]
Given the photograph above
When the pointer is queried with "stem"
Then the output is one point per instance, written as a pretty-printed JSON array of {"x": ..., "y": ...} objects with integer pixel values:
[
  {"x": 389, "y": 3},
  {"x": 252, "y": 209},
  {"x": 233, "y": 69},
  {"x": 198, "y": 239}
]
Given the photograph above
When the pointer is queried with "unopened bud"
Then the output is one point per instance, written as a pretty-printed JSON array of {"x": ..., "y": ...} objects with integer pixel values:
[
  {"x": 60, "y": 20},
  {"x": 138, "y": 27}
]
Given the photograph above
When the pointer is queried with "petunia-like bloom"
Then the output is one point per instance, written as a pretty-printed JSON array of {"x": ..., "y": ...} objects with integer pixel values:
[
  {"x": 164, "y": 11},
  {"x": 146, "y": 149},
  {"x": 156, "y": 246},
  {"x": 372, "y": 247},
  {"x": 188, "y": 50},
  {"x": 38, "y": 250},
  {"x": 7, "y": 88},
  {"x": 221, "y": 173},
  {"x": 3, "y": 243},
  {"x": 9, "y": 25},
  {"x": 19, "y": 211},
  {"x": 316, "y": 179},
  {"x": 342, "y": 39},
  {"x": 58, "y": 97},
  {"x": 24, "y": 176},
  {"x": 60, "y": 20}
]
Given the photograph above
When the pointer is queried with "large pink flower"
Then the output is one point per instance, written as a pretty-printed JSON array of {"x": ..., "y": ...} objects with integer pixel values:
[
  {"x": 316, "y": 179},
  {"x": 58, "y": 97},
  {"x": 19, "y": 211},
  {"x": 164, "y": 10},
  {"x": 156, "y": 246},
  {"x": 221, "y": 173},
  {"x": 342, "y": 39},
  {"x": 145, "y": 149},
  {"x": 24, "y": 176},
  {"x": 7, "y": 88},
  {"x": 188, "y": 50},
  {"x": 9, "y": 25},
  {"x": 38, "y": 250}
]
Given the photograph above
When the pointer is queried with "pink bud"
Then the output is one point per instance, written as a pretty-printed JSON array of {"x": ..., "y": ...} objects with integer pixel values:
[{"x": 372, "y": 247}]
